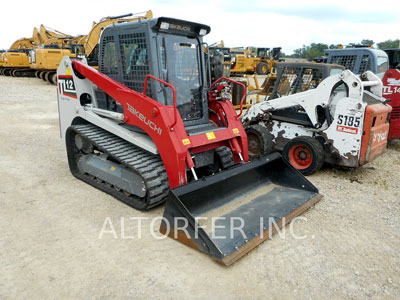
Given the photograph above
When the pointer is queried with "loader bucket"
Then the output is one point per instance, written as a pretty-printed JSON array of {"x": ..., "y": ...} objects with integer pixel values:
[{"x": 228, "y": 214}]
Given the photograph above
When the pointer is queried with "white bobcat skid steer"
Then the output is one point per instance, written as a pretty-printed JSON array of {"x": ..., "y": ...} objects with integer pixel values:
[{"x": 343, "y": 121}]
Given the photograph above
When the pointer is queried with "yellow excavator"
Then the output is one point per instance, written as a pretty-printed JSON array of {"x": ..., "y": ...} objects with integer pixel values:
[
  {"x": 16, "y": 61},
  {"x": 17, "y": 56},
  {"x": 1, "y": 59},
  {"x": 51, "y": 41},
  {"x": 46, "y": 58}
]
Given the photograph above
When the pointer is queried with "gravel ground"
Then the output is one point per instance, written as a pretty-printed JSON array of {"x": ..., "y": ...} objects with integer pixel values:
[{"x": 50, "y": 224}]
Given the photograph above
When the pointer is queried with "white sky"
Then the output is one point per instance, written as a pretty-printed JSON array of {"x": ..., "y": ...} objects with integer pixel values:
[{"x": 289, "y": 24}]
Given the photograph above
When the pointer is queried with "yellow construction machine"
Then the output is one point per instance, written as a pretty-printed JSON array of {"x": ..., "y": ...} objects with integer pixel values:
[
  {"x": 47, "y": 57},
  {"x": 51, "y": 41},
  {"x": 91, "y": 42},
  {"x": 220, "y": 60},
  {"x": 261, "y": 63},
  {"x": 15, "y": 60},
  {"x": 1, "y": 59}
]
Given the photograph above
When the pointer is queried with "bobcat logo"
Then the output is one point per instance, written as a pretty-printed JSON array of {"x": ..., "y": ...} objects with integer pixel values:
[{"x": 379, "y": 137}]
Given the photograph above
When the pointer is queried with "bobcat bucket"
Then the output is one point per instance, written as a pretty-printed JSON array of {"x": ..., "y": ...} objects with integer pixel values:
[{"x": 228, "y": 214}]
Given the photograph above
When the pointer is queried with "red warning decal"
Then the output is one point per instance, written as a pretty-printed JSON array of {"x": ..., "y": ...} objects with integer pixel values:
[{"x": 347, "y": 129}]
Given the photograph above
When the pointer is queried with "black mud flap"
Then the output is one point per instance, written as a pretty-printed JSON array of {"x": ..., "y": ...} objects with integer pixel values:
[{"x": 230, "y": 213}]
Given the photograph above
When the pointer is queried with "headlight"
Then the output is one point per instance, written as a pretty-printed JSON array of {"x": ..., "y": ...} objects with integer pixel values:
[
  {"x": 164, "y": 25},
  {"x": 202, "y": 32}
]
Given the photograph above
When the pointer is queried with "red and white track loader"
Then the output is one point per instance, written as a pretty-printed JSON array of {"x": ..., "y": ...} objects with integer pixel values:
[{"x": 146, "y": 129}]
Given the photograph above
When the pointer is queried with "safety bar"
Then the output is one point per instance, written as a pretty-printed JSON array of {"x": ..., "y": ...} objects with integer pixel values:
[
  {"x": 370, "y": 83},
  {"x": 235, "y": 82},
  {"x": 167, "y": 84}
]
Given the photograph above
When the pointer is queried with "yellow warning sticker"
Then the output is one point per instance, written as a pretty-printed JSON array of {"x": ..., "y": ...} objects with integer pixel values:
[
  {"x": 235, "y": 130},
  {"x": 186, "y": 142},
  {"x": 67, "y": 71},
  {"x": 112, "y": 168},
  {"x": 210, "y": 135}
]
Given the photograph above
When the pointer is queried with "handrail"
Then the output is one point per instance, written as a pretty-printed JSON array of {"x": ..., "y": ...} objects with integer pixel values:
[
  {"x": 173, "y": 93},
  {"x": 234, "y": 82}
]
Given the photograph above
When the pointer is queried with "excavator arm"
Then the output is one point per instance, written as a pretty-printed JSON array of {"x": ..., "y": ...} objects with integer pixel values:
[
  {"x": 22, "y": 43},
  {"x": 92, "y": 39}
]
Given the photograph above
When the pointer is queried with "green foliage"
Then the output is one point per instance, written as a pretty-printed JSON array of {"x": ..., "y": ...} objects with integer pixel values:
[
  {"x": 317, "y": 49},
  {"x": 389, "y": 44},
  {"x": 367, "y": 42},
  {"x": 335, "y": 46},
  {"x": 253, "y": 50},
  {"x": 309, "y": 52}
]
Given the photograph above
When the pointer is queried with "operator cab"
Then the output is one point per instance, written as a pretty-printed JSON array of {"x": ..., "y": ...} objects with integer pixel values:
[
  {"x": 394, "y": 58},
  {"x": 166, "y": 48},
  {"x": 359, "y": 60}
]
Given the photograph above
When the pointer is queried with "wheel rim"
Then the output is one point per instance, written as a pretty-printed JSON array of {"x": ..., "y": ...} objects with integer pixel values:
[
  {"x": 264, "y": 69},
  {"x": 255, "y": 144},
  {"x": 300, "y": 157}
]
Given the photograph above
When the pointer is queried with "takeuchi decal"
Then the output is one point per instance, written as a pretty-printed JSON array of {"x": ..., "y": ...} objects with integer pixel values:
[
  {"x": 66, "y": 86},
  {"x": 144, "y": 119}
]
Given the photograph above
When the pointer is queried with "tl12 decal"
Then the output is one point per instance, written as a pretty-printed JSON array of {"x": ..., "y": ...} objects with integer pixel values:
[{"x": 66, "y": 86}]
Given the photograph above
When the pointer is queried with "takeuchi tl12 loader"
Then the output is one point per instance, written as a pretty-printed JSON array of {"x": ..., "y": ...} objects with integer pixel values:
[
  {"x": 145, "y": 128},
  {"x": 343, "y": 121}
]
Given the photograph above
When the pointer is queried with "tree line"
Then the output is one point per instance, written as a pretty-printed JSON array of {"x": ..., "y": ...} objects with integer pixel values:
[{"x": 317, "y": 49}]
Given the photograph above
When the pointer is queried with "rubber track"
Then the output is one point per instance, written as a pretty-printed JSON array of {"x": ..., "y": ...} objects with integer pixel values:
[
  {"x": 226, "y": 156},
  {"x": 149, "y": 166}
]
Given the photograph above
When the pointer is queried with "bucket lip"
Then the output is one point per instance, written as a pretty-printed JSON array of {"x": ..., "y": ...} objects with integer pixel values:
[
  {"x": 229, "y": 259},
  {"x": 235, "y": 170}
]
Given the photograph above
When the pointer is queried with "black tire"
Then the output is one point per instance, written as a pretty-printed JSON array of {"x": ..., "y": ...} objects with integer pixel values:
[
  {"x": 262, "y": 68},
  {"x": 37, "y": 73},
  {"x": 304, "y": 153},
  {"x": 46, "y": 77},
  {"x": 53, "y": 78},
  {"x": 259, "y": 140}
]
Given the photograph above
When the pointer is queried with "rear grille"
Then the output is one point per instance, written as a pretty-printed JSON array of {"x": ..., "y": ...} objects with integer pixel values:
[
  {"x": 296, "y": 79},
  {"x": 395, "y": 114},
  {"x": 348, "y": 61}
]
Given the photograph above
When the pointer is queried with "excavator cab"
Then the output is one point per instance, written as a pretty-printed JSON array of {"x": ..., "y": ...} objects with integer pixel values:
[{"x": 146, "y": 129}]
